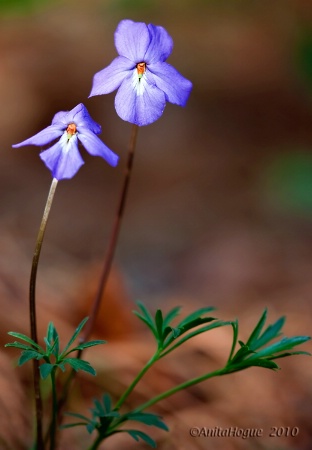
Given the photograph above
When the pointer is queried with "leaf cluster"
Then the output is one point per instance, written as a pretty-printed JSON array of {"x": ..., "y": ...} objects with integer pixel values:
[
  {"x": 51, "y": 355},
  {"x": 258, "y": 349},
  {"x": 169, "y": 337},
  {"x": 107, "y": 421}
]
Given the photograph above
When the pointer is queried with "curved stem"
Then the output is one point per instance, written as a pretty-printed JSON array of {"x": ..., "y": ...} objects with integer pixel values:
[
  {"x": 128, "y": 391},
  {"x": 32, "y": 311},
  {"x": 114, "y": 235},
  {"x": 180, "y": 387}
]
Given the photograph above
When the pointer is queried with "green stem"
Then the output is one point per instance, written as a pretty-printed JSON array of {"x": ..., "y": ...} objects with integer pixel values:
[
  {"x": 114, "y": 236},
  {"x": 32, "y": 312},
  {"x": 128, "y": 391},
  {"x": 96, "y": 443},
  {"x": 180, "y": 387},
  {"x": 54, "y": 411}
]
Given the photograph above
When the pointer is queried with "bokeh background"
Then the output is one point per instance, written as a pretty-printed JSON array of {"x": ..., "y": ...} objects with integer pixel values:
[{"x": 219, "y": 210}]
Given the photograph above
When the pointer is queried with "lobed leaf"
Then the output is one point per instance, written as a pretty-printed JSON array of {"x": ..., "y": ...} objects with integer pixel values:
[
  {"x": 171, "y": 315},
  {"x": 79, "y": 364},
  {"x": 137, "y": 435},
  {"x": 28, "y": 355},
  {"x": 74, "y": 336},
  {"x": 195, "y": 315},
  {"x": 148, "y": 419},
  {"x": 23, "y": 337},
  {"x": 45, "y": 370}
]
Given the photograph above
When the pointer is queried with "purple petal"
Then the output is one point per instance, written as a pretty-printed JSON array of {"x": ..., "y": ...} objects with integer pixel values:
[
  {"x": 139, "y": 102},
  {"x": 63, "y": 158},
  {"x": 161, "y": 45},
  {"x": 171, "y": 82},
  {"x": 43, "y": 137},
  {"x": 110, "y": 78},
  {"x": 132, "y": 40},
  {"x": 96, "y": 147},
  {"x": 83, "y": 119}
]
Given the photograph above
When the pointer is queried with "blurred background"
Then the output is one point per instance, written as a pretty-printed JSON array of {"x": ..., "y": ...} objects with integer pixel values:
[{"x": 219, "y": 209}]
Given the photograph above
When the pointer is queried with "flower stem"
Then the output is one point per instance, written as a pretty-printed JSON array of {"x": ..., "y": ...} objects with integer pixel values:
[
  {"x": 114, "y": 235},
  {"x": 128, "y": 391},
  {"x": 180, "y": 387},
  {"x": 54, "y": 411},
  {"x": 32, "y": 312}
]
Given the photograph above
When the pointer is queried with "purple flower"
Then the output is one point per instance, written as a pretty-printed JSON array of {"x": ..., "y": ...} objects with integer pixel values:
[
  {"x": 63, "y": 158},
  {"x": 145, "y": 82}
]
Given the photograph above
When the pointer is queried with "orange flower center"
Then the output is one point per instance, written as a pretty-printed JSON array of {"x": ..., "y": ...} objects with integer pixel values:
[
  {"x": 141, "y": 67},
  {"x": 71, "y": 129}
]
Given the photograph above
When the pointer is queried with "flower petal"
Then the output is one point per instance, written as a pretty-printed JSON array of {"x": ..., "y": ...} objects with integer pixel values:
[
  {"x": 63, "y": 158},
  {"x": 176, "y": 88},
  {"x": 43, "y": 137},
  {"x": 161, "y": 44},
  {"x": 96, "y": 147},
  {"x": 82, "y": 118},
  {"x": 132, "y": 40},
  {"x": 139, "y": 102},
  {"x": 110, "y": 78}
]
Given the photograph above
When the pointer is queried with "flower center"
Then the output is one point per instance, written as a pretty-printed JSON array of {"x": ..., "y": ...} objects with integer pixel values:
[
  {"x": 71, "y": 130},
  {"x": 141, "y": 67}
]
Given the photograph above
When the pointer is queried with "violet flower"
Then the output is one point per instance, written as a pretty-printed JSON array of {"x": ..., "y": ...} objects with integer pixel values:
[
  {"x": 63, "y": 158},
  {"x": 145, "y": 82}
]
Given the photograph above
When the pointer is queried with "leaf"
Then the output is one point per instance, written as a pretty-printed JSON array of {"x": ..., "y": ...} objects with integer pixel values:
[
  {"x": 80, "y": 364},
  {"x": 258, "y": 328},
  {"x": 235, "y": 336},
  {"x": 241, "y": 354},
  {"x": 107, "y": 402},
  {"x": 74, "y": 336},
  {"x": 283, "y": 355},
  {"x": 45, "y": 370},
  {"x": 28, "y": 355},
  {"x": 148, "y": 419},
  {"x": 150, "y": 326},
  {"x": 195, "y": 315},
  {"x": 171, "y": 315},
  {"x": 23, "y": 337},
  {"x": 283, "y": 344},
  {"x": 146, "y": 313},
  {"x": 87, "y": 345},
  {"x": 19, "y": 345},
  {"x": 137, "y": 435},
  {"x": 270, "y": 333},
  {"x": 159, "y": 324},
  {"x": 216, "y": 324}
]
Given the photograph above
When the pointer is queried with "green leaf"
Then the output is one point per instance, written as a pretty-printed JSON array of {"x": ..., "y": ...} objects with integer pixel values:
[
  {"x": 107, "y": 402},
  {"x": 79, "y": 364},
  {"x": 216, "y": 324},
  {"x": 45, "y": 370},
  {"x": 146, "y": 321},
  {"x": 241, "y": 354},
  {"x": 283, "y": 344},
  {"x": 270, "y": 333},
  {"x": 23, "y": 337},
  {"x": 171, "y": 315},
  {"x": 195, "y": 315},
  {"x": 259, "y": 362},
  {"x": 148, "y": 419},
  {"x": 159, "y": 324},
  {"x": 19, "y": 345},
  {"x": 137, "y": 435},
  {"x": 283, "y": 355},
  {"x": 87, "y": 345},
  {"x": 146, "y": 313},
  {"x": 27, "y": 355},
  {"x": 258, "y": 328},
  {"x": 234, "y": 324},
  {"x": 74, "y": 336}
]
